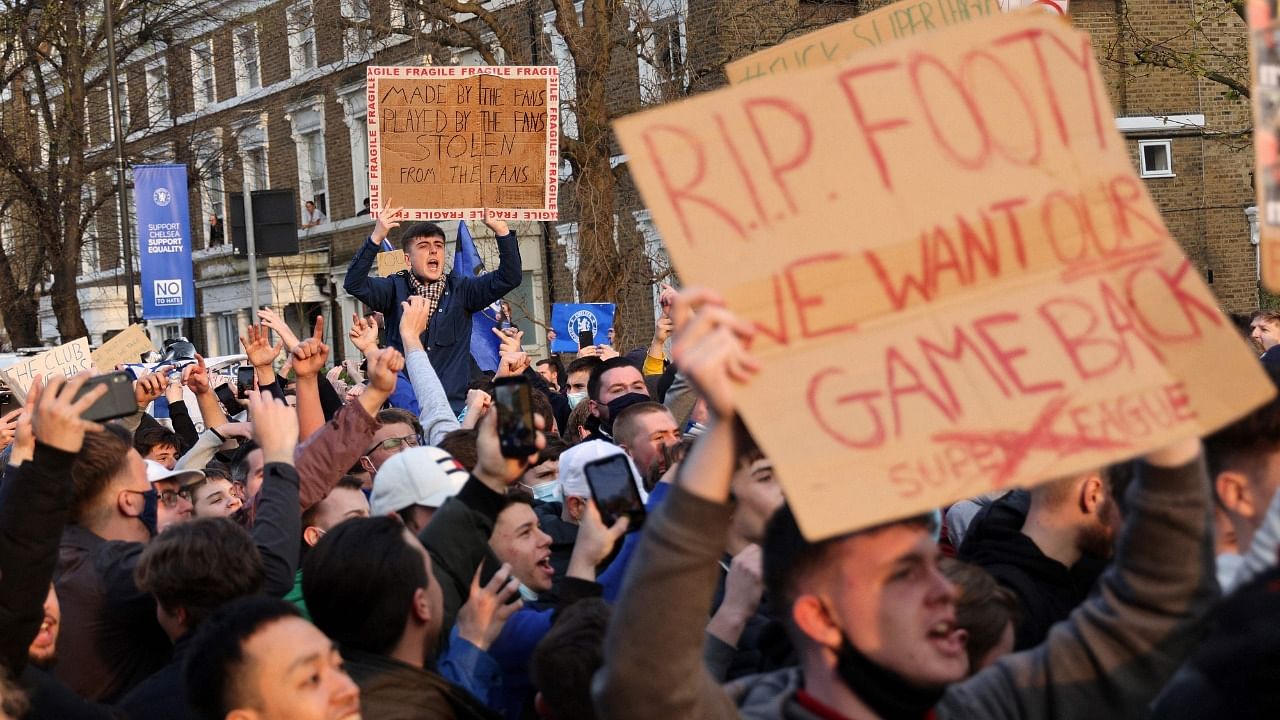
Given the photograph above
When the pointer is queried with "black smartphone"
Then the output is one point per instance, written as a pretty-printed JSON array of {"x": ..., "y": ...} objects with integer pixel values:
[
  {"x": 614, "y": 490},
  {"x": 489, "y": 568},
  {"x": 517, "y": 434},
  {"x": 227, "y": 396},
  {"x": 585, "y": 338},
  {"x": 245, "y": 377},
  {"x": 117, "y": 403}
]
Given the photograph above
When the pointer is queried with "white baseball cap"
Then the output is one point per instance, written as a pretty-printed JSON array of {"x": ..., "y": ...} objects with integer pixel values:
[
  {"x": 416, "y": 476},
  {"x": 573, "y": 481},
  {"x": 157, "y": 472}
]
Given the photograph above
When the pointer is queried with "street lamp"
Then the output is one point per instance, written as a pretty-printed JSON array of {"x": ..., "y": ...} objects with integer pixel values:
[{"x": 117, "y": 129}]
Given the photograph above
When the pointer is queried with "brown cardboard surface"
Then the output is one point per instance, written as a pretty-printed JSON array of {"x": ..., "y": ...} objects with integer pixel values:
[
  {"x": 836, "y": 43},
  {"x": 127, "y": 347},
  {"x": 958, "y": 282},
  {"x": 446, "y": 142},
  {"x": 67, "y": 360},
  {"x": 391, "y": 262}
]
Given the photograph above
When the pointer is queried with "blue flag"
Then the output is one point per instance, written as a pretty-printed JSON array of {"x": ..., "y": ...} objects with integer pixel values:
[
  {"x": 164, "y": 241},
  {"x": 569, "y": 320},
  {"x": 484, "y": 344}
]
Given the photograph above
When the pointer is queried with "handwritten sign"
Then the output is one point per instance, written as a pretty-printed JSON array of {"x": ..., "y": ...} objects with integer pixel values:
[
  {"x": 838, "y": 42},
  {"x": 446, "y": 142},
  {"x": 391, "y": 262},
  {"x": 125, "y": 348},
  {"x": 1265, "y": 56},
  {"x": 66, "y": 360},
  {"x": 958, "y": 283}
]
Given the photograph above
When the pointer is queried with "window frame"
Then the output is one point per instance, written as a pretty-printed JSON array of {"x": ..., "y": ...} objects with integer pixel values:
[
  {"x": 1143, "y": 171},
  {"x": 199, "y": 64}
]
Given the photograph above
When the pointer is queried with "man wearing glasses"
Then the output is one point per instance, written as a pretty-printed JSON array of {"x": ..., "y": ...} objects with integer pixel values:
[
  {"x": 400, "y": 429},
  {"x": 173, "y": 493}
]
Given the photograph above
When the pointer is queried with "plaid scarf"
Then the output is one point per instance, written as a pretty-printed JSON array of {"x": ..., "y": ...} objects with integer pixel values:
[{"x": 432, "y": 291}]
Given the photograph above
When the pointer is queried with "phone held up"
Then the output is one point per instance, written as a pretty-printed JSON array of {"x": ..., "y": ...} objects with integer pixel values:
[
  {"x": 118, "y": 402},
  {"x": 517, "y": 433},
  {"x": 585, "y": 339},
  {"x": 614, "y": 490}
]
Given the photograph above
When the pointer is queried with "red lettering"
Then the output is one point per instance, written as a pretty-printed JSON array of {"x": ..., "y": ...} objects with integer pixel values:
[
  {"x": 742, "y": 169},
  {"x": 1125, "y": 197},
  {"x": 1007, "y": 356},
  {"x": 1184, "y": 300},
  {"x": 1083, "y": 61},
  {"x": 807, "y": 301},
  {"x": 960, "y": 341},
  {"x": 1083, "y": 344},
  {"x": 678, "y": 196},
  {"x": 1176, "y": 395},
  {"x": 869, "y": 129},
  {"x": 1037, "y": 143},
  {"x": 798, "y": 156},
  {"x": 917, "y": 62},
  {"x": 894, "y": 365},
  {"x": 1083, "y": 229},
  {"x": 876, "y": 436}
]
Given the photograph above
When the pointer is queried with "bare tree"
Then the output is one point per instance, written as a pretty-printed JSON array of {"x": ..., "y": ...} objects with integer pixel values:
[{"x": 54, "y": 144}]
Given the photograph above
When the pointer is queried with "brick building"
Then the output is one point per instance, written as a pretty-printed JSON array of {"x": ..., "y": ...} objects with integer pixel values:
[{"x": 273, "y": 100}]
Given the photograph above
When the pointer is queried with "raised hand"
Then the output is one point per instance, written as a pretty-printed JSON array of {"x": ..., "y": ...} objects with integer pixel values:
[
  {"x": 415, "y": 316},
  {"x": 173, "y": 387},
  {"x": 481, "y": 617},
  {"x": 494, "y": 469},
  {"x": 24, "y": 440},
  {"x": 196, "y": 377},
  {"x": 388, "y": 220},
  {"x": 9, "y": 426},
  {"x": 277, "y": 323},
  {"x": 259, "y": 348},
  {"x": 384, "y": 366},
  {"x": 667, "y": 298},
  {"x": 275, "y": 427},
  {"x": 309, "y": 357},
  {"x": 499, "y": 227},
  {"x": 595, "y": 542},
  {"x": 512, "y": 340},
  {"x": 662, "y": 330},
  {"x": 151, "y": 386},
  {"x": 710, "y": 348},
  {"x": 364, "y": 334},
  {"x": 56, "y": 421},
  {"x": 512, "y": 363}
]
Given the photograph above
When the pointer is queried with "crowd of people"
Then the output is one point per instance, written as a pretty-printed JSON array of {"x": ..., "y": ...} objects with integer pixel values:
[{"x": 354, "y": 540}]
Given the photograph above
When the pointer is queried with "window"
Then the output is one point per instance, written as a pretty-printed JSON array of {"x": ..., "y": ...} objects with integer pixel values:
[
  {"x": 354, "y": 110},
  {"x": 157, "y": 93},
  {"x": 166, "y": 331},
  {"x": 228, "y": 333},
  {"x": 255, "y": 163},
  {"x": 313, "y": 165},
  {"x": 248, "y": 64},
  {"x": 302, "y": 37},
  {"x": 124, "y": 104},
  {"x": 1156, "y": 157},
  {"x": 212, "y": 199},
  {"x": 204, "y": 84},
  {"x": 357, "y": 37}
]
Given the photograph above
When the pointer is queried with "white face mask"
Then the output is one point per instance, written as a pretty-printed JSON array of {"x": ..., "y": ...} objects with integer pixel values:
[
  {"x": 527, "y": 594},
  {"x": 546, "y": 492},
  {"x": 575, "y": 398}
]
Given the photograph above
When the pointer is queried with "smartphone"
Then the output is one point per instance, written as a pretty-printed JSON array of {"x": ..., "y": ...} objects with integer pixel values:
[
  {"x": 117, "y": 403},
  {"x": 517, "y": 433},
  {"x": 245, "y": 376},
  {"x": 490, "y": 567},
  {"x": 227, "y": 396},
  {"x": 585, "y": 338},
  {"x": 614, "y": 490}
]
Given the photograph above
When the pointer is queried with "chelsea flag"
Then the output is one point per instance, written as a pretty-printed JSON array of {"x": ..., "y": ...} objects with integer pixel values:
[
  {"x": 569, "y": 320},
  {"x": 164, "y": 241}
]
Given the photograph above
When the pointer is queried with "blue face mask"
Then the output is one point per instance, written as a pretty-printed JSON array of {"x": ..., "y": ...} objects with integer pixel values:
[
  {"x": 546, "y": 492},
  {"x": 150, "y": 504},
  {"x": 575, "y": 398}
]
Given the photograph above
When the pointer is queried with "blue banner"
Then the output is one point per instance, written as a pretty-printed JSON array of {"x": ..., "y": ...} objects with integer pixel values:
[
  {"x": 164, "y": 241},
  {"x": 570, "y": 319},
  {"x": 484, "y": 344}
]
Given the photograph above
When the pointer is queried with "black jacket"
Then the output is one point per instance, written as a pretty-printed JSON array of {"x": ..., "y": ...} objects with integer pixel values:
[
  {"x": 392, "y": 690},
  {"x": 110, "y": 639},
  {"x": 164, "y": 694},
  {"x": 1047, "y": 590}
]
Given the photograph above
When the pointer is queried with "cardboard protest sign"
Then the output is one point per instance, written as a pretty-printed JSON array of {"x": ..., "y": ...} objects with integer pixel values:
[
  {"x": 66, "y": 360},
  {"x": 123, "y": 349},
  {"x": 1265, "y": 54},
  {"x": 957, "y": 280},
  {"x": 445, "y": 142},
  {"x": 835, "y": 43},
  {"x": 391, "y": 262}
]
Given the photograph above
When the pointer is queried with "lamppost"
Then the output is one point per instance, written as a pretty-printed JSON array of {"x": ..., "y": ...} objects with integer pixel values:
[{"x": 117, "y": 129}]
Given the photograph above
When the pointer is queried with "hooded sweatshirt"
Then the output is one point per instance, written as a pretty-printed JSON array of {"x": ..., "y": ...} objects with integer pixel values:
[{"x": 1047, "y": 590}]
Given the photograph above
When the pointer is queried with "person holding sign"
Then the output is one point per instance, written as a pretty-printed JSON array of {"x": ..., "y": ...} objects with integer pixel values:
[
  {"x": 452, "y": 298},
  {"x": 870, "y": 614}
]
